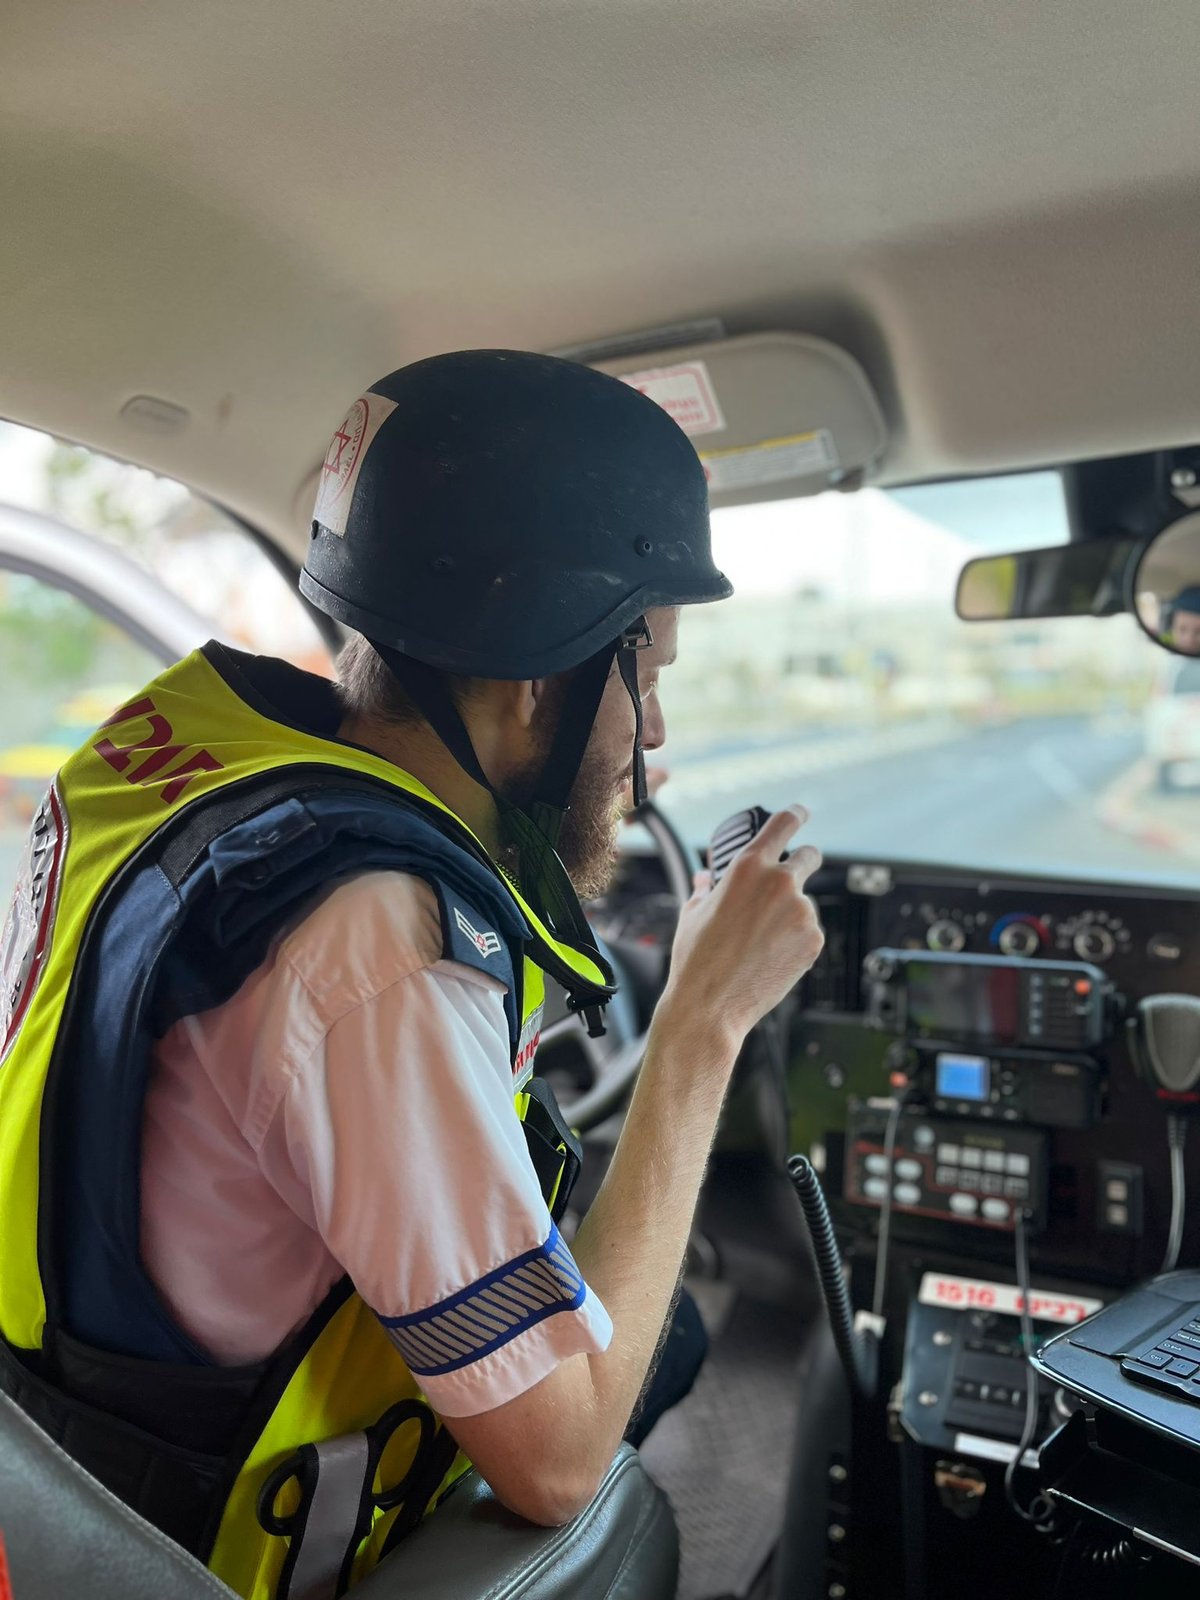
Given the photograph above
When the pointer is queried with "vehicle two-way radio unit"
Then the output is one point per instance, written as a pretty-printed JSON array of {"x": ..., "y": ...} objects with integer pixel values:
[
  {"x": 992, "y": 1052},
  {"x": 1007, "y": 1001},
  {"x": 997, "y": 1039}
]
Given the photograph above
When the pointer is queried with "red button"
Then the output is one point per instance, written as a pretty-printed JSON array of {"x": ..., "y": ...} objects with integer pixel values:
[{"x": 1083, "y": 986}]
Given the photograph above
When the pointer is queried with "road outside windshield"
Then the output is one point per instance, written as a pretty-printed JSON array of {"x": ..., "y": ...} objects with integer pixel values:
[{"x": 839, "y": 675}]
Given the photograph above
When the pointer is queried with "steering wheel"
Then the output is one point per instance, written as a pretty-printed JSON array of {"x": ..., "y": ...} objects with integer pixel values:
[{"x": 615, "y": 1059}]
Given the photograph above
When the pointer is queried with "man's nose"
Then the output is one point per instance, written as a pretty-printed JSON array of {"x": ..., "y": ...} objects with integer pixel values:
[{"x": 654, "y": 727}]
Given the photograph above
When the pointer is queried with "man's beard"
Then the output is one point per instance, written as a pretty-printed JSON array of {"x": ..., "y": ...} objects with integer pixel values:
[{"x": 587, "y": 840}]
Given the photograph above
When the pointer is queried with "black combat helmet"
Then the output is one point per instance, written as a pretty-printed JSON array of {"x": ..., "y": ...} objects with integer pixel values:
[
  {"x": 501, "y": 514},
  {"x": 507, "y": 515}
]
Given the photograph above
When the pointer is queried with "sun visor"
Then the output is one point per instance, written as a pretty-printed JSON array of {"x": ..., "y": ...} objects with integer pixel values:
[{"x": 772, "y": 415}]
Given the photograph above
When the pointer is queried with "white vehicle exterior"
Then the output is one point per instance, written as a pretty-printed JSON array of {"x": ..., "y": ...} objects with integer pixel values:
[{"x": 1172, "y": 725}]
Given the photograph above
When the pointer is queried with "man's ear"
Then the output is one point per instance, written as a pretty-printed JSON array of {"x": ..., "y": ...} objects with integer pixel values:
[{"x": 527, "y": 696}]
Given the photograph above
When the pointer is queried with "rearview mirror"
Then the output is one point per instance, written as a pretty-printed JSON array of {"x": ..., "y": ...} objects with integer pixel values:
[
  {"x": 1166, "y": 587},
  {"x": 1066, "y": 580},
  {"x": 1157, "y": 579}
]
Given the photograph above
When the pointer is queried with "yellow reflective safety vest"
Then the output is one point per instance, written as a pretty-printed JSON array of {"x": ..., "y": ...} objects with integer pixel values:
[{"x": 172, "y": 847}]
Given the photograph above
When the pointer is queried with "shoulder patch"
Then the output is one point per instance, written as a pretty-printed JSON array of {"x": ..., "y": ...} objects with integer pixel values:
[
  {"x": 486, "y": 941},
  {"x": 469, "y": 938}
]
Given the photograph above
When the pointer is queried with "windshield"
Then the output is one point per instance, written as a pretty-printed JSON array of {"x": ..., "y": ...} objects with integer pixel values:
[{"x": 839, "y": 675}]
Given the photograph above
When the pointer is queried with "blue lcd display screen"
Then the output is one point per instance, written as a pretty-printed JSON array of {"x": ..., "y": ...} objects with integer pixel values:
[{"x": 963, "y": 1077}]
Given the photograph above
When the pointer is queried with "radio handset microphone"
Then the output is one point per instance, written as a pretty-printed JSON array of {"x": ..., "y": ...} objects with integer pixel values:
[{"x": 1164, "y": 1041}]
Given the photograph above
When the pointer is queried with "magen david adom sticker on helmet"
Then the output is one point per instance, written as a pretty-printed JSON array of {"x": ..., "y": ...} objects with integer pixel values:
[
  {"x": 344, "y": 458},
  {"x": 25, "y": 939}
]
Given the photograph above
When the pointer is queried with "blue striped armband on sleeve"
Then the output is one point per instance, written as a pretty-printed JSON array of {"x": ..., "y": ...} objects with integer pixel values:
[{"x": 481, "y": 1318}]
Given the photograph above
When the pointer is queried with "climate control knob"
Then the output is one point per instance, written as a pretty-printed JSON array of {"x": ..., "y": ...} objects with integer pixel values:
[
  {"x": 946, "y": 935},
  {"x": 1020, "y": 939},
  {"x": 1094, "y": 943}
]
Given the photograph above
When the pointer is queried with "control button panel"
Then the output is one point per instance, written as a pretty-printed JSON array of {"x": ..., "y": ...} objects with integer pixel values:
[
  {"x": 988, "y": 1375},
  {"x": 966, "y": 1372},
  {"x": 982, "y": 1174},
  {"x": 1119, "y": 1198}
]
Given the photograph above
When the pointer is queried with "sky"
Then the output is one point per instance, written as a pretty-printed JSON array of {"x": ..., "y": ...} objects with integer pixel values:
[
  {"x": 22, "y": 458},
  {"x": 876, "y": 546}
]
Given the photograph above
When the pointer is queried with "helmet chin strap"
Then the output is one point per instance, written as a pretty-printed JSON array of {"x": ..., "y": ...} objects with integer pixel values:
[
  {"x": 534, "y": 829},
  {"x": 632, "y": 640}
]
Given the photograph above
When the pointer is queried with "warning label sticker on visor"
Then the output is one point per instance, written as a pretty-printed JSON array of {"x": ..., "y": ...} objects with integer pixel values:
[
  {"x": 802, "y": 455},
  {"x": 344, "y": 458},
  {"x": 685, "y": 392}
]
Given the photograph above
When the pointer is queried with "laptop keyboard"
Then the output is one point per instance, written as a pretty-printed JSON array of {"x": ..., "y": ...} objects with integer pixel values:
[{"x": 1172, "y": 1362}]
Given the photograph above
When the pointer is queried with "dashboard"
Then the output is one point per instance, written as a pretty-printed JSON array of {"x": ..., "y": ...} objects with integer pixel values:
[
  {"x": 1147, "y": 940},
  {"x": 1137, "y": 936},
  {"x": 1013, "y": 1052},
  {"x": 1056, "y": 1121}
]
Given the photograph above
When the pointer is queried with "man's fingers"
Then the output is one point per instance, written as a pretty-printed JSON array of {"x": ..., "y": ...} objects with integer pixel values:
[
  {"x": 776, "y": 832},
  {"x": 804, "y": 862},
  {"x": 701, "y": 883}
]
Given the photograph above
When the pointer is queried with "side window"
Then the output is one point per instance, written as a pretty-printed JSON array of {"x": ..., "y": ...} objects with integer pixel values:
[
  {"x": 64, "y": 667},
  {"x": 108, "y": 573},
  {"x": 199, "y": 555}
]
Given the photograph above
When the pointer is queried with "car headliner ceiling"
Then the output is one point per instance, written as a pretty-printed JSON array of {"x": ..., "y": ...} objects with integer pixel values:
[{"x": 253, "y": 210}]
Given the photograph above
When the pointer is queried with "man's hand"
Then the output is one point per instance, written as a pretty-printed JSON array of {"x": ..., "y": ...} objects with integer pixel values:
[{"x": 740, "y": 948}]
